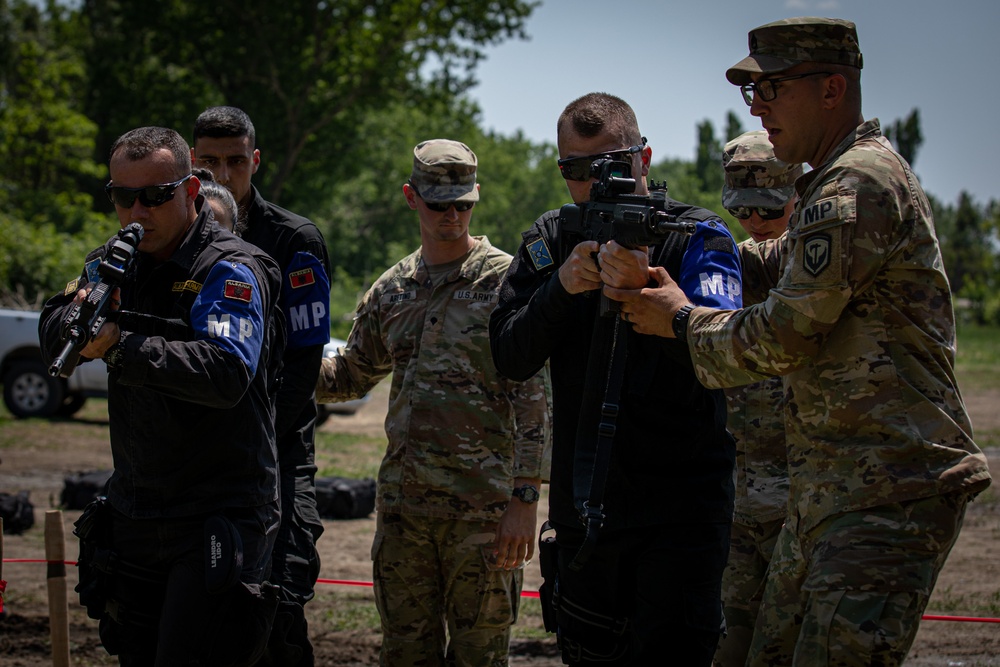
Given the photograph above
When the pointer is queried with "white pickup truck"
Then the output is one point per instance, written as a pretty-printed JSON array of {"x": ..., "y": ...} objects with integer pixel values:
[{"x": 28, "y": 389}]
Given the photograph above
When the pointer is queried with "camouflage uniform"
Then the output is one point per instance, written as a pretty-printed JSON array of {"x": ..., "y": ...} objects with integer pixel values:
[
  {"x": 861, "y": 327},
  {"x": 880, "y": 452},
  {"x": 753, "y": 177},
  {"x": 458, "y": 434}
]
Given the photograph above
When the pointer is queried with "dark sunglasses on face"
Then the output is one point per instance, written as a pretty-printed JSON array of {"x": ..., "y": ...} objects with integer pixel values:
[
  {"x": 149, "y": 196},
  {"x": 744, "y": 212},
  {"x": 578, "y": 168},
  {"x": 442, "y": 206}
]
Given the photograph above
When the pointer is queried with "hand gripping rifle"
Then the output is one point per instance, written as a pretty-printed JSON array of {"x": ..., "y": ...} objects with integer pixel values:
[
  {"x": 615, "y": 213},
  {"x": 86, "y": 318}
]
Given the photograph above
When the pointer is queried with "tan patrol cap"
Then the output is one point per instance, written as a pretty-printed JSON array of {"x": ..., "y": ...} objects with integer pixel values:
[
  {"x": 444, "y": 171},
  {"x": 754, "y": 177},
  {"x": 777, "y": 46}
]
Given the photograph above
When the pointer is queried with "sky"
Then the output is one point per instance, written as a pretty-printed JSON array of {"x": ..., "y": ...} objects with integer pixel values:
[{"x": 668, "y": 59}]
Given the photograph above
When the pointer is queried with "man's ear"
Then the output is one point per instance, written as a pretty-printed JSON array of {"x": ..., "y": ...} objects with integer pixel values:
[
  {"x": 647, "y": 158},
  {"x": 193, "y": 186},
  {"x": 834, "y": 90},
  {"x": 256, "y": 160},
  {"x": 411, "y": 195}
]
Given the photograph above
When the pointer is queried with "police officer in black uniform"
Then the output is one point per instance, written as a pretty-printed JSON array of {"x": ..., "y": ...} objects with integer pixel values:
[
  {"x": 224, "y": 143},
  {"x": 185, "y": 536},
  {"x": 648, "y": 590}
]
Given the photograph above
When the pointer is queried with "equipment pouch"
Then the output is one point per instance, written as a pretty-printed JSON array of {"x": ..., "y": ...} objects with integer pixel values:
[
  {"x": 548, "y": 562},
  {"x": 97, "y": 562},
  {"x": 590, "y": 636},
  {"x": 223, "y": 554}
]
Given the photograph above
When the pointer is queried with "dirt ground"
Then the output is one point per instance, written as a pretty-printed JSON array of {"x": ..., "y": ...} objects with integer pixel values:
[{"x": 36, "y": 456}]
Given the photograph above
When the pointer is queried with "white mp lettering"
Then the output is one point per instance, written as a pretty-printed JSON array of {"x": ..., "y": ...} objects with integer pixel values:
[
  {"x": 712, "y": 284},
  {"x": 218, "y": 326},
  {"x": 299, "y": 317},
  {"x": 318, "y": 311},
  {"x": 246, "y": 328}
]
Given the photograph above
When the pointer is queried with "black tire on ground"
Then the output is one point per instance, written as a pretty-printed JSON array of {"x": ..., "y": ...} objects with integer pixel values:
[
  {"x": 29, "y": 390},
  {"x": 71, "y": 405}
]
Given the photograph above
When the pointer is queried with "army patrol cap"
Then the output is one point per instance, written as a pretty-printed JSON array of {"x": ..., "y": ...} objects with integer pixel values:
[
  {"x": 444, "y": 171},
  {"x": 777, "y": 46},
  {"x": 754, "y": 177}
]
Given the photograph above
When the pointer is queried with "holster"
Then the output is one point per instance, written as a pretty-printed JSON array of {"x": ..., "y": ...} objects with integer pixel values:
[
  {"x": 548, "y": 562},
  {"x": 223, "y": 554},
  {"x": 97, "y": 560}
]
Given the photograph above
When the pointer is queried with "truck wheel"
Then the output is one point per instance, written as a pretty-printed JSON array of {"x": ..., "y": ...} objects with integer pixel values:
[
  {"x": 71, "y": 405},
  {"x": 29, "y": 390}
]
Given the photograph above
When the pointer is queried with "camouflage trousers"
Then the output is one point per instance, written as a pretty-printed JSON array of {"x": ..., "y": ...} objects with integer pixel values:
[
  {"x": 750, "y": 549},
  {"x": 439, "y": 601},
  {"x": 852, "y": 590}
]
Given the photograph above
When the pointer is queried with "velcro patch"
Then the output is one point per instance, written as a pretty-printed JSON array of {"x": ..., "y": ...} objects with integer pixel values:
[
  {"x": 471, "y": 295},
  {"x": 238, "y": 291},
  {"x": 72, "y": 287},
  {"x": 187, "y": 286},
  {"x": 821, "y": 211},
  {"x": 816, "y": 255},
  {"x": 720, "y": 244},
  {"x": 398, "y": 297},
  {"x": 91, "y": 268},
  {"x": 539, "y": 253},
  {"x": 302, "y": 278}
]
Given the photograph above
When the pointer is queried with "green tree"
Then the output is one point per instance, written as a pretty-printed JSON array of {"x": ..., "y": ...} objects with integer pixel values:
[
  {"x": 906, "y": 136},
  {"x": 307, "y": 72},
  {"x": 46, "y": 151}
]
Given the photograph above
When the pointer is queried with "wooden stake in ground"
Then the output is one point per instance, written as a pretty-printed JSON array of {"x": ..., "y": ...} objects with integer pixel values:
[
  {"x": 55, "y": 554},
  {"x": 3, "y": 584}
]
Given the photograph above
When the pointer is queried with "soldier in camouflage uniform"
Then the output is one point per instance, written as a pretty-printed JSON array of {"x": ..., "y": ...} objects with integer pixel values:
[
  {"x": 458, "y": 484},
  {"x": 861, "y": 326},
  {"x": 759, "y": 192}
]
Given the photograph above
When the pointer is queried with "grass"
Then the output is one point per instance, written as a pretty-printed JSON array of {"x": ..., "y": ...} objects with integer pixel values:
[
  {"x": 348, "y": 455},
  {"x": 974, "y": 604}
]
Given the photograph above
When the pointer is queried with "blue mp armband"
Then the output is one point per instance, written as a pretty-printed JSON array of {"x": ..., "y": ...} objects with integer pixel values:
[
  {"x": 305, "y": 292},
  {"x": 229, "y": 312},
  {"x": 711, "y": 273}
]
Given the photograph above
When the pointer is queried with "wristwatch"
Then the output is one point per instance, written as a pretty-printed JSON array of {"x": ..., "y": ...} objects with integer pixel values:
[
  {"x": 116, "y": 353},
  {"x": 526, "y": 494},
  {"x": 680, "y": 323}
]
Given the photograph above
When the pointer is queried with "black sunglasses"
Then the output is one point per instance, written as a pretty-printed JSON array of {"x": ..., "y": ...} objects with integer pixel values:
[
  {"x": 149, "y": 196},
  {"x": 578, "y": 168},
  {"x": 744, "y": 212},
  {"x": 442, "y": 206}
]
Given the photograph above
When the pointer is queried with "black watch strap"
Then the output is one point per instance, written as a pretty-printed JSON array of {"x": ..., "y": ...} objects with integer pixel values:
[
  {"x": 680, "y": 322},
  {"x": 115, "y": 354},
  {"x": 527, "y": 493}
]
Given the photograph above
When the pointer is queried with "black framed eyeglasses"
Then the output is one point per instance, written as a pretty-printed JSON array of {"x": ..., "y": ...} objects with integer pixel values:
[
  {"x": 744, "y": 212},
  {"x": 149, "y": 196},
  {"x": 767, "y": 89},
  {"x": 578, "y": 168},
  {"x": 442, "y": 206}
]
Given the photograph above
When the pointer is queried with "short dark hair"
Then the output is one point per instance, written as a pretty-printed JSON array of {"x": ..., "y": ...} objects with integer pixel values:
[
  {"x": 595, "y": 113},
  {"x": 143, "y": 141},
  {"x": 218, "y": 122}
]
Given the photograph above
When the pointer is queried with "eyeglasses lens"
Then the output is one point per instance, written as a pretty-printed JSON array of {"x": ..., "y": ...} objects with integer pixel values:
[
  {"x": 578, "y": 168},
  {"x": 149, "y": 196},
  {"x": 744, "y": 212},
  {"x": 441, "y": 207}
]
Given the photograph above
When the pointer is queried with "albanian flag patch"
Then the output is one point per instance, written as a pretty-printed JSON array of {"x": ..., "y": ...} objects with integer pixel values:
[
  {"x": 238, "y": 291},
  {"x": 301, "y": 278}
]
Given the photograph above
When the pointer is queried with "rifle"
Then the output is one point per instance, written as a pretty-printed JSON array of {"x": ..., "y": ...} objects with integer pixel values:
[
  {"x": 615, "y": 213},
  {"x": 87, "y": 317}
]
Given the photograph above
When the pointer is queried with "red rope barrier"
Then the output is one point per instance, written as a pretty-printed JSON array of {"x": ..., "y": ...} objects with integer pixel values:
[{"x": 527, "y": 594}]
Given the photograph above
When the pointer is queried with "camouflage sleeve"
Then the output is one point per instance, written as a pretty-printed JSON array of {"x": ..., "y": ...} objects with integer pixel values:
[
  {"x": 533, "y": 430},
  {"x": 836, "y": 244},
  {"x": 361, "y": 363},
  {"x": 761, "y": 267}
]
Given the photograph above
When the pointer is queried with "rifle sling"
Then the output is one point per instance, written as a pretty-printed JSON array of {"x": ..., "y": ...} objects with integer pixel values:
[{"x": 592, "y": 455}]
